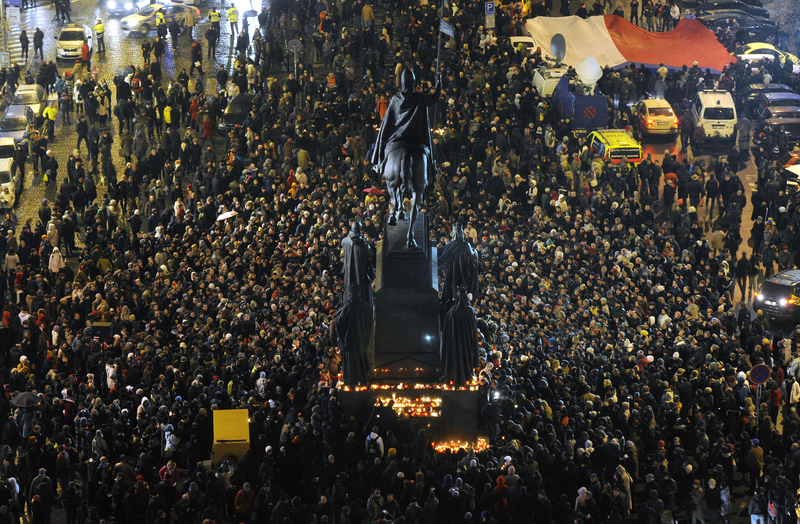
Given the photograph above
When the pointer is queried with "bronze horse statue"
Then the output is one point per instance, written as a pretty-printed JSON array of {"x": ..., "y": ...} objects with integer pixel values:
[{"x": 402, "y": 151}]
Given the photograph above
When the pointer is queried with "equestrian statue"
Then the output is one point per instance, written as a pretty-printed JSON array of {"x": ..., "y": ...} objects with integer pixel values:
[{"x": 403, "y": 150}]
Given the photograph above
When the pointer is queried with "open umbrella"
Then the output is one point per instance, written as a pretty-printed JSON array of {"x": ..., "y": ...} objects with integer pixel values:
[
  {"x": 125, "y": 70},
  {"x": 25, "y": 399},
  {"x": 373, "y": 191},
  {"x": 227, "y": 214},
  {"x": 250, "y": 14}
]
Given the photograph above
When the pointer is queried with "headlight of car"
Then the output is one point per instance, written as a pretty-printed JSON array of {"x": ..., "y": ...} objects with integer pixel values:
[
  {"x": 130, "y": 23},
  {"x": 111, "y": 4},
  {"x": 128, "y": 6}
]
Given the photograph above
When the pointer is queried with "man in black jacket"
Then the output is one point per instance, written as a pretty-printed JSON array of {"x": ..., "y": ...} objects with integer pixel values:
[
  {"x": 82, "y": 128},
  {"x": 50, "y": 169},
  {"x": 38, "y": 40},
  {"x": 212, "y": 35}
]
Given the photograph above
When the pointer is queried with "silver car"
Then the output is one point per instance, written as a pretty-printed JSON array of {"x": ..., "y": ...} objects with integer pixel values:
[
  {"x": 14, "y": 123},
  {"x": 33, "y": 96},
  {"x": 70, "y": 41}
]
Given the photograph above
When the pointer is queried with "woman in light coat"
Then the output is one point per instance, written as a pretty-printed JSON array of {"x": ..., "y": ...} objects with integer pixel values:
[
  {"x": 698, "y": 503},
  {"x": 56, "y": 261}
]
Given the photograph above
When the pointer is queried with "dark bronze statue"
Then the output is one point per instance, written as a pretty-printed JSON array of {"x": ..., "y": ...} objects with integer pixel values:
[
  {"x": 403, "y": 149},
  {"x": 353, "y": 323},
  {"x": 460, "y": 349},
  {"x": 459, "y": 262}
]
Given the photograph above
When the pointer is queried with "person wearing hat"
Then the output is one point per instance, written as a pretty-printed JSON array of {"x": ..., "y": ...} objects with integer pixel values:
[
  {"x": 785, "y": 259},
  {"x": 99, "y": 31},
  {"x": 754, "y": 460}
]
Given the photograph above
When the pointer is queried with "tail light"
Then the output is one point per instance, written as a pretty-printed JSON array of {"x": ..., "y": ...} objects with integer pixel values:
[
  {"x": 674, "y": 121},
  {"x": 649, "y": 123}
]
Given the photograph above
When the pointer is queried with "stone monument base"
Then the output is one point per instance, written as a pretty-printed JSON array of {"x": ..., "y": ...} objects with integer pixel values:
[{"x": 453, "y": 420}]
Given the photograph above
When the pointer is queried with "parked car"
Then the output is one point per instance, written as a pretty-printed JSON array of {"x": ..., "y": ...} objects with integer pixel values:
[
  {"x": 779, "y": 112},
  {"x": 761, "y": 48},
  {"x": 8, "y": 146},
  {"x": 655, "y": 117},
  {"x": 33, "y": 96},
  {"x": 751, "y": 27},
  {"x": 237, "y": 111},
  {"x": 527, "y": 42},
  {"x": 770, "y": 100},
  {"x": 14, "y": 123},
  {"x": 789, "y": 126},
  {"x": 746, "y": 97},
  {"x": 11, "y": 178},
  {"x": 145, "y": 20},
  {"x": 715, "y": 6},
  {"x": 70, "y": 40}
]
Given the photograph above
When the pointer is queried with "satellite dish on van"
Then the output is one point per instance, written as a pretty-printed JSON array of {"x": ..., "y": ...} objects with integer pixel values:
[
  {"x": 589, "y": 71},
  {"x": 558, "y": 46}
]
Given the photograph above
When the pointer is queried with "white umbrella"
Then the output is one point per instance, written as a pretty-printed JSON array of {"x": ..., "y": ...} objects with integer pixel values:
[{"x": 227, "y": 214}]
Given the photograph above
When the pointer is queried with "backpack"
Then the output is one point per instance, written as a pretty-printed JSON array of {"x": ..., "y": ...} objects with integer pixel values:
[
  {"x": 373, "y": 447},
  {"x": 136, "y": 84}
]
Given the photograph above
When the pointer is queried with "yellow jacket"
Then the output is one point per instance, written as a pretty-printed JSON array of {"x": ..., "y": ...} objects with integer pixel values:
[
  {"x": 233, "y": 14},
  {"x": 50, "y": 112},
  {"x": 367, "y": 13}
]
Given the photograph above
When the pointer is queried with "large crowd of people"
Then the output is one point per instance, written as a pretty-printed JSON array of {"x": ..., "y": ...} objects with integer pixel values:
[{"x": 614, "y": 350}]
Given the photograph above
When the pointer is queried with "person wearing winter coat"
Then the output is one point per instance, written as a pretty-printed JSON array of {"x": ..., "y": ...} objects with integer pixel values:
[
  {"x": 126, "y": 145},
  {"x": 25, "y": 44},
  {"x": 140, "y": 145},
  {"x": 56, "y": 262}
]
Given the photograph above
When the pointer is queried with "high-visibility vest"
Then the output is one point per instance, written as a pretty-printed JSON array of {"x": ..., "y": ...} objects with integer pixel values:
[
  {"x": 167, "y": 114},
  {"x": 100, "y": 29},
  {"x": 51, "y": 113},
  {"x": 160, "y": 18},
  {"x": 213, "y": 16},
  {"x": 233, "y": 14}
]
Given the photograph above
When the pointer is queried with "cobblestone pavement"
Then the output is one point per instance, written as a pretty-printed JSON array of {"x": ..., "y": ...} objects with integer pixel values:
[{"x": 122, "y": 50}]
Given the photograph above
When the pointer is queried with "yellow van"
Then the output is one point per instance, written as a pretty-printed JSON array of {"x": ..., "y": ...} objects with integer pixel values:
[{"x": 614, "y": 144}]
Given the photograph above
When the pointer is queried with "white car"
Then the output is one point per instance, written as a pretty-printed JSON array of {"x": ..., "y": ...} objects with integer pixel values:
[
  {"x": 70, "y": 41},
  {"x": 526, "y": 41},
  {"x": 10, "y": 178}
]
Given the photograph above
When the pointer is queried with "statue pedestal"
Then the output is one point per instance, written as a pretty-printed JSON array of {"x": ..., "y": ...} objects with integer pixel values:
[
  {"x": 405, "y": 345},
  {"x": 453, "y": 416}
]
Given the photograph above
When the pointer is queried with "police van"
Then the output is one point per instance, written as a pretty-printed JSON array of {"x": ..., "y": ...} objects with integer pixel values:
[{"x": 714, "y": 112}]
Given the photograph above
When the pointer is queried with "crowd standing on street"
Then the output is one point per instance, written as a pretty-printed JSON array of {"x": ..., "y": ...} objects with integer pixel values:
[{"x": 614, "y": 352}]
